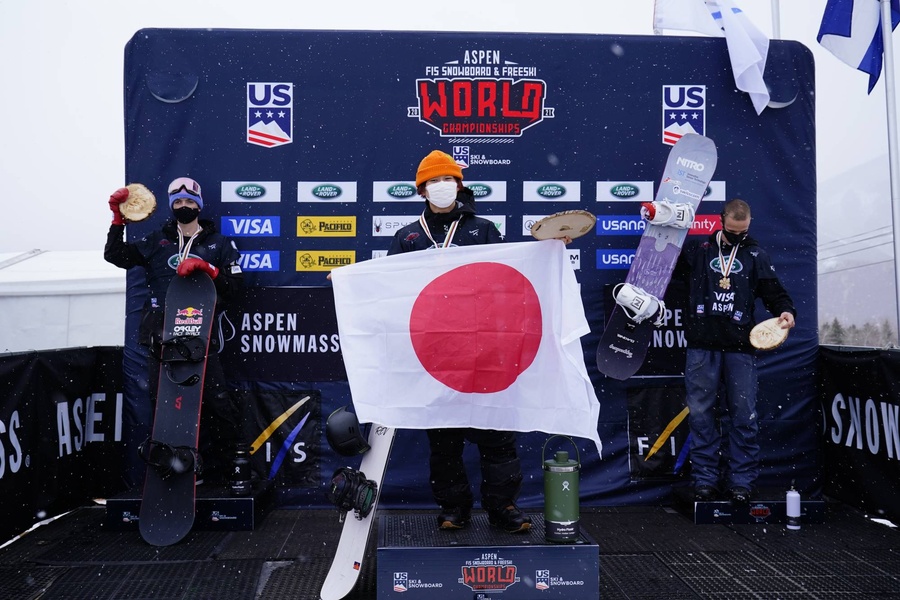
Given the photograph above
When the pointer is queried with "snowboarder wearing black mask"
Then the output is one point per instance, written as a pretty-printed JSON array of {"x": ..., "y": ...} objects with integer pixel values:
[
  {"x": 725, "y": 274},
  {"x": 183, "y": 245}
]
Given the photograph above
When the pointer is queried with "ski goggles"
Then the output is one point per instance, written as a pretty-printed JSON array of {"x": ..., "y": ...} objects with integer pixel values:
[{"x": 186, "y": 184}]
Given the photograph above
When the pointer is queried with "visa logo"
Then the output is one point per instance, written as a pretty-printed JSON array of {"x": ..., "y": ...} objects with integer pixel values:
[
  {"x": 617, "y": 258},
  {"x": 260, "y": 260},
  {"x": 251, "y": 226}
]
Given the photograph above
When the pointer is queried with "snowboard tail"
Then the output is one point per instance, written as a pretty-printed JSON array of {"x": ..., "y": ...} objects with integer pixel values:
[
  {"x": 168, "y": 500},
  {"x": 688, "y": 171}
]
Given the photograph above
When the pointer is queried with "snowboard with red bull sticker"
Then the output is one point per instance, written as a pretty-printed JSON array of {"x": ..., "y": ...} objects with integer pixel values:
[
  {"x": 689, "y": 169},
  {"x": 168, "y": 500}
]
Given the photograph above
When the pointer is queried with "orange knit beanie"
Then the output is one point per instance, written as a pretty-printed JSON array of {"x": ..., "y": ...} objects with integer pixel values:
[{"x": 437, "y": 164}]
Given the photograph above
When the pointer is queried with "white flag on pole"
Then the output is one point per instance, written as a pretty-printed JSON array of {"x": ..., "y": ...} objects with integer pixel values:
[
  {"x": 481, "y": 336},
  {"x": 748, "y": 47}
]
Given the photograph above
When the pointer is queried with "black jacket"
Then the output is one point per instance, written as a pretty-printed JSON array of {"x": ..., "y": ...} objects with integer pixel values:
[
  {"x": 157, "y": 253},
  {"x": 721, "y": 319},
  {"x": 471, "y": 230}
]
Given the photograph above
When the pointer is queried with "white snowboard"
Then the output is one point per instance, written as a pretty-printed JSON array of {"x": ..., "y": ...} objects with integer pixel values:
[{"x": 351, "y": 549}]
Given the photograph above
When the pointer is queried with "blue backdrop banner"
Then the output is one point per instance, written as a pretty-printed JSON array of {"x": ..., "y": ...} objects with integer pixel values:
[{"x": 306, "y": 144}]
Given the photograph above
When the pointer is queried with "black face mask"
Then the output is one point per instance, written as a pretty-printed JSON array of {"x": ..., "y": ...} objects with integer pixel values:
[
  {"x": 734, "y": 238},
  {"x": 185, "y": 214}
]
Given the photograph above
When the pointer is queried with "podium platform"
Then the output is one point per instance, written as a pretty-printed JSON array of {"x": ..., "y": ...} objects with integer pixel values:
[
  {"x": 216, "y": 508},
  {"x": 481, "y": 562},
  {"x": 767, "y": 506}
]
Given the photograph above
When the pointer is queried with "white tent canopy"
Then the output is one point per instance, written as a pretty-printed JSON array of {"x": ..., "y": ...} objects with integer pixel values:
[{"x": 60, "y": 299}]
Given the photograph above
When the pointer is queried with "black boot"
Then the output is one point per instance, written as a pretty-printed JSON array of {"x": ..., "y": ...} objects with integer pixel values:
[
  {"x": 510, "y": 519},
  {"x": 454, "y": 518}
]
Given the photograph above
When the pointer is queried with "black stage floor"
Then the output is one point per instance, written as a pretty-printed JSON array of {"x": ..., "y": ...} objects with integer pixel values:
[{"x": 645, "y": 552}]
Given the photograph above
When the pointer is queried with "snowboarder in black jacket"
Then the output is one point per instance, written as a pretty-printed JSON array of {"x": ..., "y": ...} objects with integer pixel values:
[
  {"x": 725, "y": 274},
  {"x": 449, "y": 220},
  {"x": 184, "y": 244}
]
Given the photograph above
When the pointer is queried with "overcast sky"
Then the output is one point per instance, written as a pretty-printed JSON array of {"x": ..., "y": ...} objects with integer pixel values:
[{"x": 61, "y": 65}]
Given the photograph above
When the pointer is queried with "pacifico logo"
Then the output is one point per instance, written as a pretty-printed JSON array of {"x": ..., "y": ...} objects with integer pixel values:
[
  {"x": 324, "y": 260},
  {"x": 326, "y": 226}
]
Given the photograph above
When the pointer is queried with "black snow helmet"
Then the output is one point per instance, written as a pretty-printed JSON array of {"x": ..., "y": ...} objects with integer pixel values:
[{"x": 343, "y": 434}]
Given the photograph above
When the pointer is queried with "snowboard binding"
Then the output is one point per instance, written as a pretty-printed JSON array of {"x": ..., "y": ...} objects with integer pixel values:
[
  {"x": 350, "y": 490},
  {"x": 189, "y": 348},
  {"x": 183, "y": 350},
  {"x": 638, "y": 304},
  {"x": 170, "y": 460},
  {"x": 668, "y": 214}
]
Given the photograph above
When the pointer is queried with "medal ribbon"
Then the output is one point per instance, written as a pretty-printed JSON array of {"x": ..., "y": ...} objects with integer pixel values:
[
  {"x": 726, "y": 268},
  {"x": 184, "y": 250},
  {"x": 447, "y": 239}
]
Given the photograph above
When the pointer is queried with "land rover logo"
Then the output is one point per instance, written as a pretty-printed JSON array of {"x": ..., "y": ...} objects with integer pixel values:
[
  {"x": 481, "y": 190},
  {"x": 250, "y": 191},
  {"x": 708, "y": 191},
  {"x": 551, "y": 190},
  {"x": 327, "y": 191},
  {"x": 624, "y": 190},
  {"x": 401, "y": 190}
]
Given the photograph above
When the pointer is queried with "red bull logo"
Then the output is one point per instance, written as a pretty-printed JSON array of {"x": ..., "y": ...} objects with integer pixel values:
[{"x": 189, "y": 312}]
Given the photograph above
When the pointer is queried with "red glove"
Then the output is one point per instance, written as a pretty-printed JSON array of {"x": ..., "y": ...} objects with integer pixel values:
[
  {"x": 649, "y": 209},
  {"x": 189, "y": 265},
  {"x": 117, "y": 198}
]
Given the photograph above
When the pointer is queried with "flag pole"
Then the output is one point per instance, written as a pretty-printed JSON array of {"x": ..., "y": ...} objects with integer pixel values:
[
  {"x": 776, "y": 20},
  {"x": 891, "y": 104}
]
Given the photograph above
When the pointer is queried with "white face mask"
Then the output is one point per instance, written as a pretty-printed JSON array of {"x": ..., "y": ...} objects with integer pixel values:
[{"x": 442, "y": 193}]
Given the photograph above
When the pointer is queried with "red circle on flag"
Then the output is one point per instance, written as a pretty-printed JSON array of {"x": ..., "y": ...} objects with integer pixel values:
[{"x": 477, "y": 327}]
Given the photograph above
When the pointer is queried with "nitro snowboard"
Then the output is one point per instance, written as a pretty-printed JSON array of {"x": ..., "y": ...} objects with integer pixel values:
[
  {"x": 167, "y": 505},
  {"x": 689, "y": 169},
  {"x": 351, "y": 549}
]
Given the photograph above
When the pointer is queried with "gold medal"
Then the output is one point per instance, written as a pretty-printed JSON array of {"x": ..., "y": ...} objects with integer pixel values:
[{"x": 725, "y": 266}]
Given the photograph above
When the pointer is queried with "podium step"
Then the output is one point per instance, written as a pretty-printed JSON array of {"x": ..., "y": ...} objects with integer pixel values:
[
  {"x": 216, "y": 509},
  {"x": 481, "y": 562},
  {"x": 765, "y": 507}
]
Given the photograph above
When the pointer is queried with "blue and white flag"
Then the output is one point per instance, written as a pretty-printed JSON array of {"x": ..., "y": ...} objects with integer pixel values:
[
  {"x": 851, "y": 30},
  {"x": 748, "y": 47}
]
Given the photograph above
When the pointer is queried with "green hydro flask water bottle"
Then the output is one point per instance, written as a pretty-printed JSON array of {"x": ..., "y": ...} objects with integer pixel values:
[{"x": 561, "y": 495}]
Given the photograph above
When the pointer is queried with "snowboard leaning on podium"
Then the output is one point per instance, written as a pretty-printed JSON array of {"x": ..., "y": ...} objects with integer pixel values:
[
  {"x": 638, "y": 301},
  {"x": 168, "y": 501},
  {"x": 351, "y": 549}
]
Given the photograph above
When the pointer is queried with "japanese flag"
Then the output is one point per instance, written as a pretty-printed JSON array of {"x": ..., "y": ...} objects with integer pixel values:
[{"x": 481, "y": 336}]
